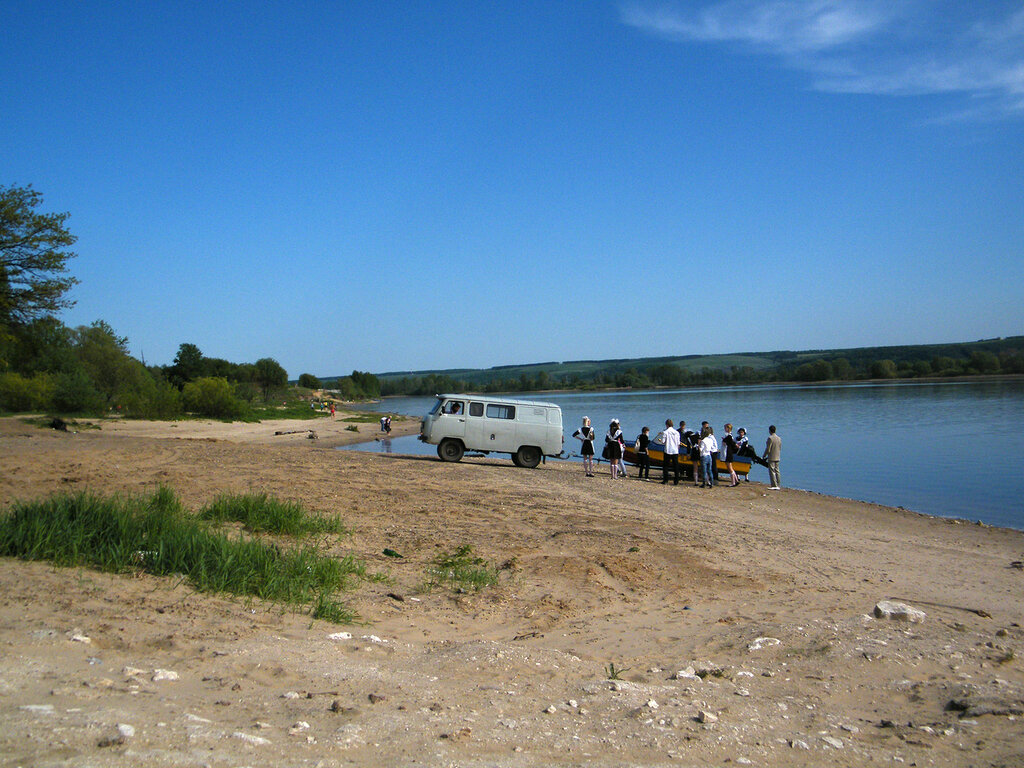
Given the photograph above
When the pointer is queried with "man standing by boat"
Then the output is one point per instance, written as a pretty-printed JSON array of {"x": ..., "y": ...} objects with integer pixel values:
[
  {"x": 670, "y": 455},
  {"x": 773, "y": 454}
]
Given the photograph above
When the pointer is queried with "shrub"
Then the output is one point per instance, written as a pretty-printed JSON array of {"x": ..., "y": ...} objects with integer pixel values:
[
  {"x": 213, "y": 397},
  {"x": 18, "y": 393},
  {"x": 152, "y": 400},
  {"x": 75, "y": 393}
]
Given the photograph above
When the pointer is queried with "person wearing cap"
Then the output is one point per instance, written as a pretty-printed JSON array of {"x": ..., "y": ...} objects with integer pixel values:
[{"x": 613, "y": 444}]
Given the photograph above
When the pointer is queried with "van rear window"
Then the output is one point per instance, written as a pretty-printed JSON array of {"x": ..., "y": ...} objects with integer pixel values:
[{"x": 501, "y": 411}]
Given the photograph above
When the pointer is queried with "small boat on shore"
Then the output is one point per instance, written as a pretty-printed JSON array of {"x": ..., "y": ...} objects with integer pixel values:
[{"x": 687, "y": 466}]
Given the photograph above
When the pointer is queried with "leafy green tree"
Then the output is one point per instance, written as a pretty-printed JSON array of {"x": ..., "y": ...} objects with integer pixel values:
[
  {"x": 104, "y": 357},
  {"x": 984, "y": 361},
  {"x": 33, "y": 258},
  {"x": 25, "y": 393},
  {"x": 883, "y": 369},
  {"x": 75, "y": 393},
  {"x": 309, "y": 381},
  {"x": 213, "y": 397},
  {"x": 841, "y": 368},
  {"x": 269, "y": 375},
  {"x": 187, "y": 365}
]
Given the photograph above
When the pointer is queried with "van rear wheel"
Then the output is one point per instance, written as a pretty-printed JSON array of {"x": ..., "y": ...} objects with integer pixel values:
[
  {"x": 450, "y": 450},
  {"x": 528, "y": 456}
]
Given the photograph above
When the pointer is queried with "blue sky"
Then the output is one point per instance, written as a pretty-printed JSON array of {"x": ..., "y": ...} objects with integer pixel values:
[{"x": 399, "y": 186}]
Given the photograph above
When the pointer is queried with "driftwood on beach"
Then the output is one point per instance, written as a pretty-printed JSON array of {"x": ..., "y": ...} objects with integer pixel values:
[{"x": 312, "y": 432}]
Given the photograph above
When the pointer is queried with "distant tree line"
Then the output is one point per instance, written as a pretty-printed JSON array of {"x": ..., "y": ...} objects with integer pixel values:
[
  {"x": 357, "y": 386},
  {"x": 978, "y": 358},
  {"x": 47, "y": 366}
]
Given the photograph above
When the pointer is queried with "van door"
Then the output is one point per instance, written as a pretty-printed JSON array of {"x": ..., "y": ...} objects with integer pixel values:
[
  {"x": 453, "y": 419},
  {"x": 500, "y": 427},
  {"x": 476, "y": 440}
]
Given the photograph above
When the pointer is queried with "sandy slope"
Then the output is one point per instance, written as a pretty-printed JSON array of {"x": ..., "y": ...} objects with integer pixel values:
[{"x": 768, "y": 596}]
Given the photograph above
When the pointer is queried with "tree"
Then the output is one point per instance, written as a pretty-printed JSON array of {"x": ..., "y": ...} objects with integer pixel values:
[
  {"x": 309, "y": 381},
  {"x": 33, "y": 258},
  {"x": 269, "y": 374},
  {"x": 187, "y": 366}
]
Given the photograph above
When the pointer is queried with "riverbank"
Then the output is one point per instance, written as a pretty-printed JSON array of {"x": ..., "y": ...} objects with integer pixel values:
[{"x": 740, "y": 622}]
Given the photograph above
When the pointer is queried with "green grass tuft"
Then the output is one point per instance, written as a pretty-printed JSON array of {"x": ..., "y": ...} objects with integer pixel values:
[
  {"x": 260, "y": 513},
  {"x": 461, "y": 570},
  {"x": 157, "y": 536}
]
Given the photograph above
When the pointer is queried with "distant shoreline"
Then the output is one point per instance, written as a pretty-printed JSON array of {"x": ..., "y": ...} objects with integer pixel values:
[{"x": 981, "y": 378}]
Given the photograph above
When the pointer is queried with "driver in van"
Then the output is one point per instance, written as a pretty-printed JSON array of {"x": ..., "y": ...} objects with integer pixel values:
[{"x": 454, "y": 408}]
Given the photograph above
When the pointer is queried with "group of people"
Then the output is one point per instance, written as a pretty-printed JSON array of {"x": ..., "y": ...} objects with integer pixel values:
[
  {"x": 385, "y": 424},
  {"x": 701, "y": 448}
]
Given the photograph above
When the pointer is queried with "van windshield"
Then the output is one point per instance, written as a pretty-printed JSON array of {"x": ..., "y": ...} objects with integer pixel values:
[{"x": 436, "y": 406}]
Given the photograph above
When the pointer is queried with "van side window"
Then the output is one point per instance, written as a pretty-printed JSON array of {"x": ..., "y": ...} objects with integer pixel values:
[
  {"x": 476, "y": 409},
  {"x": 453, "y": 407},
  {"x": 501, "y": 411}
]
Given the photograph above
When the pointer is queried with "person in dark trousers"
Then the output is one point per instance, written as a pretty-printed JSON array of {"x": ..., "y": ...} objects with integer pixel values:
[
  {"x": 643, "y": 461},
  {"x": 669, "y": 439}
]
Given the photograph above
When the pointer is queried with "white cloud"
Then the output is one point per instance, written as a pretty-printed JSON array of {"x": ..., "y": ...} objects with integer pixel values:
[
  {"x": 895, "y": 48},
  {"x": 780, "y": 25}
]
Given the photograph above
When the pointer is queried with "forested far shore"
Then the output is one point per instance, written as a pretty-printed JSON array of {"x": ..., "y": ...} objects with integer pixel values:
[{"x": 988, "y": 357}]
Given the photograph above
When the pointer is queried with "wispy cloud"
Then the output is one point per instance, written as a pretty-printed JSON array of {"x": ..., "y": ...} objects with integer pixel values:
[{"x": 896, "y": 48}]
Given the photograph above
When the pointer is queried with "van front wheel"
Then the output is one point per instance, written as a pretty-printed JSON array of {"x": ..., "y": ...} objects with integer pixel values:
[
  {"x": 450, "y": 450},
  {"x": 528, "y": 456}
]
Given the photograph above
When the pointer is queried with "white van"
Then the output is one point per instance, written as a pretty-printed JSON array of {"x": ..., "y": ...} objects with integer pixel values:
[{"x": 526, "y": 430}]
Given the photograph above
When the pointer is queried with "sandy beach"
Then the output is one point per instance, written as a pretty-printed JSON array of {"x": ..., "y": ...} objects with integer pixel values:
[{"x": 740, "y": 624}]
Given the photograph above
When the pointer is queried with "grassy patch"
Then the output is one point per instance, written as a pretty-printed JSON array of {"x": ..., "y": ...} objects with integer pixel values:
[
  {"x": 261, "y": 513},
  {"x": 288, "y": 409},
  {"x": 461, "y": 570},
  {"x": 155, "y": 535},
  {"x": 363, "y": 418}
]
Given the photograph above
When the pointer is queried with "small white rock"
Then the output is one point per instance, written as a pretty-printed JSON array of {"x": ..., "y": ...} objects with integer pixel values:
[
  {"x": 832, "y": 742},
  {"x": 291, "y": 695},
  {"x": 80, "y": 638},
  {"x": 125, "y": 731},
  {"x": 799, "y": 744},
  {"x": 652, "y": 704},
  {"x": 340, "y": 636},
  {"x": 706, "y": 717},
  {"x": 763, "y": 642},
  {"x": 39, "y": 709},
  {"x": 551, "y": 710},
  {"x": 257, "y": 741},
  {"x": 573, "y": 703},
  {"x": 160, "y": 675},
  {"x": 888, "y": 609}
]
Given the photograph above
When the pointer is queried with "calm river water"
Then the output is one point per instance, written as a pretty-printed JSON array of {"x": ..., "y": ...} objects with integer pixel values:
[{"x": 949, "y": 449}]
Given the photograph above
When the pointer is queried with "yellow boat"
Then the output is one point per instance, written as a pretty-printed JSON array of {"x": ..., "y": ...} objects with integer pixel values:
[{"x": 741, "y": 464}]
